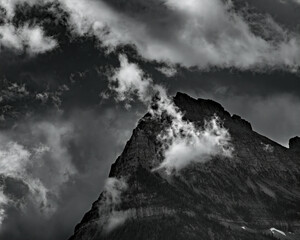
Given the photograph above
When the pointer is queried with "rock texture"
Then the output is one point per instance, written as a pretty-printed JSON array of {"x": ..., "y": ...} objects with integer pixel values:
[
  {"x": 294, "y": 144},
  {"x": 241, "y": 197}
]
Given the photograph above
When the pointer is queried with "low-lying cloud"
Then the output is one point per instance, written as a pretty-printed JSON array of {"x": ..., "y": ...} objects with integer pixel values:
[
  {"x": 113, "y": 190},
  {"x": 185, "y": 144}
]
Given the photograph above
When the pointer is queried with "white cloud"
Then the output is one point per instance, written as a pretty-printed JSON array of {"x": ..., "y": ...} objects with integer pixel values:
[
  {"x": 14, "y": 159},
  {"x": 113, "y": 189},
  {"x": 116, "y": 219},
  {"x": 184, "y": 143},
  {"x": 36, "y": 41},
  {"x": 129, "y": 80},
  {"x": 30, "y": 39},
  {"x": 9, "y": 37}
]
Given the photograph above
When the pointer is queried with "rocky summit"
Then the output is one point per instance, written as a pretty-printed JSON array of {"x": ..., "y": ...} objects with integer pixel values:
[{"x": 254, "y": 194}]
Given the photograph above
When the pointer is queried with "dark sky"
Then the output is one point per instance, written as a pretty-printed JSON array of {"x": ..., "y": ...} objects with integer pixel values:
[{"x": 61, "y": 126}]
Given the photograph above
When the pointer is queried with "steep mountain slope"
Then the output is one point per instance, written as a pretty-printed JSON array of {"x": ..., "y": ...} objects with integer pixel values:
[{"x": 254, "y": 194}]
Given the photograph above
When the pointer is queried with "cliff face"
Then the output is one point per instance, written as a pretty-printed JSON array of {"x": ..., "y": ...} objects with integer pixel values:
[{"x": 254, "y": 194}]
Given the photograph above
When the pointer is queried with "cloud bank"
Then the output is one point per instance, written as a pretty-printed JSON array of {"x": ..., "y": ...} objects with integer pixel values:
[
  {"x": 192, "y": 33},
  {"x": 203, "y": 33}
]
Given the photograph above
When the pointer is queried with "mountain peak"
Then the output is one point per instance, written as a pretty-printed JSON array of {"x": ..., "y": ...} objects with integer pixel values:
[
  {"x": 241, "y": 196},
  {"x": 199, "y": 109},
  {"x": 182, "y": 100}
]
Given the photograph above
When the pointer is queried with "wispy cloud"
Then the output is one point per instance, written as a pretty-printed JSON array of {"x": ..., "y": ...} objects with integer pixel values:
[{"x": 113, "y": 190}]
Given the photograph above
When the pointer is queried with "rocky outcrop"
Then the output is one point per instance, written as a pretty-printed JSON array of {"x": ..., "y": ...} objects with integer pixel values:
[
  {"x": 241, "y": 197},
  {"x": 294, "y": 144}
]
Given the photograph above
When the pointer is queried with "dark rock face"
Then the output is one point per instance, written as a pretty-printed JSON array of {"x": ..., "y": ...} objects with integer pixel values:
[
  {"x": 294, "y": 144},
  {"x": 241, "y": 197}
]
